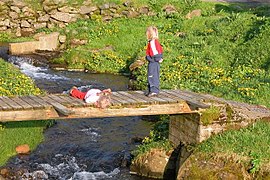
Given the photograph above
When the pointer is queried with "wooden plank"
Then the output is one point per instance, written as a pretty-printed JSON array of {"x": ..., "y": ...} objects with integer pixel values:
[
  {"x": 68, "y": 102},
  {"x": 177, "y": 99},
  {"x": 78, "y": 102},
  {"x": 153, "y": 109},
  {"x": 32, "y": 103},
  {"x": 168, "y": 99},
  {"x": 24, "y": 115},
  {"x": 157, "y": 99},
  {"x": 41, "y": 101},
  {"x": 135, "y": 98},
  {"x": 119, "y": 98},
  {"x": 62, "y": 109},
  {"x": 115, "y": 102},
  {"x": 192, "y": 102},
  {"x": 56, "y": 99},
  {"x": 24, "y": 104},
  {"x": 141, "y": 95},
  {"x": 128, "y": 99},
  {"x": 11, "y": 103},
  {"x": 4, "y": 106}
]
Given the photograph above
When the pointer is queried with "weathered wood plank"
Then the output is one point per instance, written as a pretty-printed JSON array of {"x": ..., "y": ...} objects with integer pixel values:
[
  {"x": 4, "y": 106},
  {"x": 24, "y": 115},
  {"x": 128, "y": 99},
  {"x": 119, "y": 98},
  {"x": 135, "y": 98},
  {"x": 24, "y": 104},
  {"x": 193, "y": 102},
  {"x": 174, "y": 98},
  {"x": 68, "y": 102},
  {"x": 78, "y": 102},
  {"x": 141, "y": 95},
  {"x": 154, "y": 109},
  {"x": 32, "y": 103},
  {"x": 115, "y": 102},
  {"x": 56, "y": 99},
  {"x": 40, "y": 101},
  {"x": 62, "y": 109},
  {"x": 11, "y": 103},
  {"x": 157, "y": 99}
]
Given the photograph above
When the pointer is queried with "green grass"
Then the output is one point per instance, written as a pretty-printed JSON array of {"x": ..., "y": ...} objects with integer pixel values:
[
  {"x": 12, "y": 134},
  {"x": 253, "y": 142},
  {"x": 13, "y": 82},
  {"x": 222, "y": 52}
]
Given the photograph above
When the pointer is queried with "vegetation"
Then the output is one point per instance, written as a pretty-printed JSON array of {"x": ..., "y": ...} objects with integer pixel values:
[
  {"x": 251, "y": 144},
  {"x": 13, "y": 82},
  {"x": 12, "y": 134},
  {"x": 158, "y": 137},
  {"x": 223, "y": 52}
]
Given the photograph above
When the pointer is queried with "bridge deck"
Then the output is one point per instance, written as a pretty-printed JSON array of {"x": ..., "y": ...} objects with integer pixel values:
[{"x": 124, "y": 103}]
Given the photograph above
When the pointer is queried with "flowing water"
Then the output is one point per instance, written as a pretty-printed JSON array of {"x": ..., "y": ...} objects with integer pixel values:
[{"x": 80, "y": 148}]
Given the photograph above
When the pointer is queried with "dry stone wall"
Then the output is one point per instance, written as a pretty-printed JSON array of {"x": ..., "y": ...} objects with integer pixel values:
[
  {"x": 19, "y": 17},
  {"x": 191, "y": 128}
]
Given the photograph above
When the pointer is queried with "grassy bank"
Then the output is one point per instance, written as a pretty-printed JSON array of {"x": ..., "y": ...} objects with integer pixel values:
[
  {"x": 223, "y": 52},
  {"x": 12, "y": 134}
]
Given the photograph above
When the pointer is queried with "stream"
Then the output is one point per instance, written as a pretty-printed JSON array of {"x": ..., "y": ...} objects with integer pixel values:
[{"x": 79, "y": 149}]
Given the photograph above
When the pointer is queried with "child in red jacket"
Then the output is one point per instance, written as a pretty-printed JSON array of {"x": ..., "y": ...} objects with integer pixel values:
[{"x": 154, "y": 55}]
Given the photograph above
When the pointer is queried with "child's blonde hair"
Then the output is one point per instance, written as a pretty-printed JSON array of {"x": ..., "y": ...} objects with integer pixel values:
[
  {"x": 152, "y": 33},
  {"x": 104, "y": 100}
]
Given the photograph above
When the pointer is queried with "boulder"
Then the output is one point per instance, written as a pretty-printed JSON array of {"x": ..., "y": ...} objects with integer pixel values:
[
  {"x": 62, "y": 39},
  {"x": 136, "y": 64},
  {"x": 18, "y": 32},
  {"x": 44, "y": 18},
  {"x": 153, "y": 164},
  {"x": 87, "y": 9},
  {"x": 16, "y": 9},
  {"x": 6, "y": 22},
  {"x": 25, "y": 24},
  {"x": 106, "y": 18},
  {"x": 133, "y": 14},
  {"x": 104, "y": 6},
  {"x": 77, "y": 42},
  {"x": 61, "y": 16},
  {"x": 40, "y": 25},
  {"x": 19, "y": 3},
  {"x": 49, "y": 42},
  {"x": 194, "y": 13},
  {"x": 23, "y": 149},
  {"x": 27, "y": 31},
  {"x": 28, "y": 10},
  {"x": 68, "y": 9},
  {"x": 4, "y": 172},
  {"x": 13, "y": 15},
  {"x": 144, "y": 10},
  {"x": 36, "y": 36},
  {"x": 169, "y": 9},
  {"x": 3, "y": 28}
]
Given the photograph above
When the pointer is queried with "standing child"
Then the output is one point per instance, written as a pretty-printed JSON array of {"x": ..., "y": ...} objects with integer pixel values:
[{"x": 154, "y": 56}]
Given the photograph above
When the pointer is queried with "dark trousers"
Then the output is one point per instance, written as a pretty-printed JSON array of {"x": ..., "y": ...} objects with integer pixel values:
[{"x": 153, "y": 77}]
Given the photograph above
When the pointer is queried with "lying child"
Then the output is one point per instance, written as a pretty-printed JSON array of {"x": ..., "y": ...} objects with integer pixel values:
[{"x": 100, "y": 99}]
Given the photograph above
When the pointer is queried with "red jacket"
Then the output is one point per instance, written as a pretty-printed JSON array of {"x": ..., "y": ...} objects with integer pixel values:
[{"x": 153, "y": 48}]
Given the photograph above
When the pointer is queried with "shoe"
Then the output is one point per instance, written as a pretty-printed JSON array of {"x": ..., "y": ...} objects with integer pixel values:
[{"x": 151, "y": 94}]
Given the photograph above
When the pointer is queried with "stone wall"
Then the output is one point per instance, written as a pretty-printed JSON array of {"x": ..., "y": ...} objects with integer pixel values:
[
  {"x": 18, "y": 17},
  {"x": 193, "y": 128}
]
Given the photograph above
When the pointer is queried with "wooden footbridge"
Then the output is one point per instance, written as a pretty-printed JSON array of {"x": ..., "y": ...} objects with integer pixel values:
[{"x": 124, "y": 103}]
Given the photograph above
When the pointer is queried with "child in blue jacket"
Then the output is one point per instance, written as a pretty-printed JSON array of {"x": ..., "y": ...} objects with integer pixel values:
[{"x": 154, "y": 55}]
